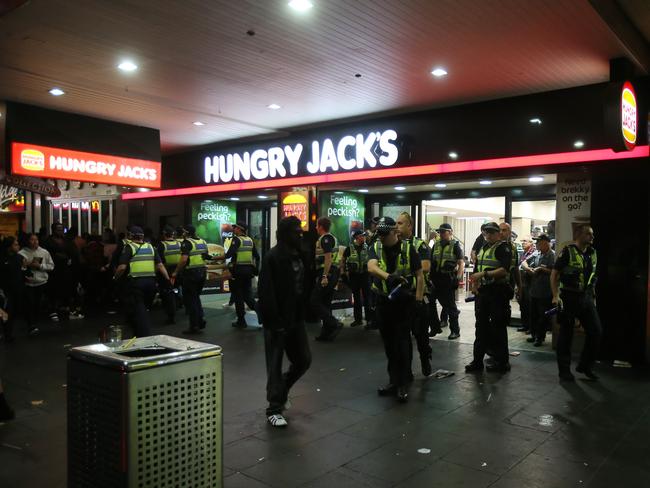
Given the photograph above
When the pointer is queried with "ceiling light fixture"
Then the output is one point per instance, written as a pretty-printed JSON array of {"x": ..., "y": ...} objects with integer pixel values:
[
  {"x": 400, "y": 188},
  {"x": 127, "y": 66},
  {"x": 198, "y": 123},
  {"x": 578, "y": 144},
  {"x": 536, "y": 179},
  {"x": 57, "y": 92},
  {"x": 301, "y": 5},
  {"x": 439, "y": 72},
  {"x": 536, "y": 121},
  {"x": 363, "y": 190},
  {"x": 262, "y": 197},
  {"x": 234, "y": 199},
  {"x": 441, "y": 185},
  {"x": 453, "y": 155},
  {"x": 274, "y": 106},
  {"x": 485, "y": 182}
]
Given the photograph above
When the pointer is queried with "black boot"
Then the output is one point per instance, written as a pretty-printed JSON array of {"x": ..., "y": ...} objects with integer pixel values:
[{"x": 6, "y": 413}]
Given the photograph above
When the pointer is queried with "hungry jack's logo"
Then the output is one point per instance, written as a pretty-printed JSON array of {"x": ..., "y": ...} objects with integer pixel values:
[
  {"x": 628, "y": 115},
  {"x": 32, "y": 160}
]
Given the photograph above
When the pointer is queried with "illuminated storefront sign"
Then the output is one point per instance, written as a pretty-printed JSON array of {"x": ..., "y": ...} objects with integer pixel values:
[
  {"x": 295, "y": 203},
  {"x": 48, "y": 162},
  {"x": 11, "y": 199},
  {"x": 350, "y": 152},
  {"x": 629, "y": 120}
]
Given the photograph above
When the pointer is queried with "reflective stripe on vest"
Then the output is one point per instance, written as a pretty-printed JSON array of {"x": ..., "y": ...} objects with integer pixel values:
[
  {"x": 487, "y": 261},
  {"x": 142, "y": 262},
  {"x": 320, "y": 254},
  {"x": 199, "y": 248},
  {"x": 244, "y": 251},
  {"x": 443, "y": 257},
  {"x": 172, "y": 252},
  {"x": 358, "y": 260},
  {"x": 572, "y": 277},
  {"x": 403, "y": 267}
]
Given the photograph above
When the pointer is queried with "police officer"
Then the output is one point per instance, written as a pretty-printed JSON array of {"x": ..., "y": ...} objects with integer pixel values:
[
  {"x": 398, "y": 282},
  {"x": 419, "y": 326},
  {"x": 538, "y": 268},
  {"x": 490, "y": 283},
  {"x": 371, "y": 238},
  {"x": 139, "y": 261},
  {"x": 354, "y": 266},
  {"x": 244, "y": 261},
  {"x": 573, "y": 281},
  {"x": 194, "y": 253},
  {"x": 447, "y": 268},
  {"x": 169, "y": 249},
  {"x": 327, "y": 275}
]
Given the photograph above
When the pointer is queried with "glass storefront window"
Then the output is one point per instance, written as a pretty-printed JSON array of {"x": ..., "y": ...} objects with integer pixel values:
[
  {"x": 393, "y": 210},
  {"x": 532, "y": 218}
]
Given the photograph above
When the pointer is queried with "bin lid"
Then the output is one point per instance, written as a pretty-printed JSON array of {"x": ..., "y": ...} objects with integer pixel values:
[{"x": 145, "y": 352}]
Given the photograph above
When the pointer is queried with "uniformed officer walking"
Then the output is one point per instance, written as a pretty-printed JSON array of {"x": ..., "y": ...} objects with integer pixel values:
[
  {"x": 244, "y": 262},
  {"x": 398, "y": 282},
  {"x": 139, "y": 261},
  {"x": 447, "y": 269},
  {"x": 420, "y": 324},
  {"x": 490, "y": 283},
  {"x": 573, "y": 282},
  {"x": 192, "y": 268},
  {"x": 354, "y": 266},
  {"x": 327, "y": 275},
  {"x": 169, "y": 250}
]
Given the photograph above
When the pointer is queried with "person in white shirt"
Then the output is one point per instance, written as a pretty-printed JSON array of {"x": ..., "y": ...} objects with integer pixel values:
[{"x": 38, "y": 262}]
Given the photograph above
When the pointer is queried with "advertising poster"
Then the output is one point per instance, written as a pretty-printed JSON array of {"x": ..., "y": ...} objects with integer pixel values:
[
  {"x": 295, "y": 203},
  {"x": 11, "y": 199},
  {"x": 346, "y": 210},
  {"x": 213, "y": 221},
  {"x": 573, "y": 206}
]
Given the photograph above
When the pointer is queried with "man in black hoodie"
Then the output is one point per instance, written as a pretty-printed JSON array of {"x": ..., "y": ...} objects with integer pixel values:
[{"x": 282, "y": 295}]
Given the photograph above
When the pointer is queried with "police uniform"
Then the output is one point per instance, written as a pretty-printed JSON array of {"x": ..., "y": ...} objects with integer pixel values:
[
  {"x": 492, "y": 306},
  {"x": 356, "y": 263},
  {"x": 244, "y": 258},
  {"x": 140, "y": 286},
  {"x": 194, "y": 275},
  {"x": 394, "y": 316},
  {"x": 322, "y": 295},
  {"x": 444, "y": 280},
  {"x": 420, "y": 324},
  {"x": 577, "y": 281},
  {"x": 169, "y": 250}
]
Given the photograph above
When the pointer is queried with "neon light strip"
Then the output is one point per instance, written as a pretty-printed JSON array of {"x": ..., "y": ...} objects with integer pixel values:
[{"x": 427, "y": 169}]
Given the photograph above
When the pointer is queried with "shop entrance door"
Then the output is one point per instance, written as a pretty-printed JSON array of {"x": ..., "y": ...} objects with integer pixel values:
[{"x": 258, "y": 228}]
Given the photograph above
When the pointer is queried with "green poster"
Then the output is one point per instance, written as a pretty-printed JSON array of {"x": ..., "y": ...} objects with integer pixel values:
[
  {"x": 213, "y": 219},
  {"x": 346, "y": 210}
]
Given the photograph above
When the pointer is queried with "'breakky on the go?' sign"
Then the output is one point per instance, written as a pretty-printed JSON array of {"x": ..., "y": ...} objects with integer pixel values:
[{"x": 350, "y": 152}]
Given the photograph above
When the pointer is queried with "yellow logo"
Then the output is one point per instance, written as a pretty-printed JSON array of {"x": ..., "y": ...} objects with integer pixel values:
[
  {"x": 628, "y": 115},
  {"x": 32, "y": 160}
]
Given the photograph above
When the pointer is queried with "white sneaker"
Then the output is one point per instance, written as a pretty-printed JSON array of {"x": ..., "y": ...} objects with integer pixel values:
[{"x": 277, "y": 420}]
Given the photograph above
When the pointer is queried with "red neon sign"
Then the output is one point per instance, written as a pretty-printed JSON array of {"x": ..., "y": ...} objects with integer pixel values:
[
  {"x": 64, "y": 164},
  {"x": 552, "y": 159}
]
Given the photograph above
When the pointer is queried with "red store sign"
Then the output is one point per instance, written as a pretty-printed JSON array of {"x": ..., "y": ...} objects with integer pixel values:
[{"x": 64, "y": 164}]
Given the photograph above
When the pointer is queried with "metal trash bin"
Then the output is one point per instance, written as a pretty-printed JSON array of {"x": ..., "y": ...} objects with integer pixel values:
[{"x": 146, "y": 416}]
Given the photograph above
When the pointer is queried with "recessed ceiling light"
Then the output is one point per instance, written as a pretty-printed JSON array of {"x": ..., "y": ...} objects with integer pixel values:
[
  {"x": 536, "y": 179},
  {"x": 578, "y": 144},
  {"x": 338, "y": 192},
  {"x": 536, "y": 121},
  {"x": 400, "y": 188},
  {"x": 234, "y": 199},
  {"x": 262, "y": 197},
  {"x": 453, "y": 155},
  {"x": 274, "y": 106},
  {"x": 485, "y": 182},
  {"x": 300, "y": 5},
  {"x": 127, "y": 66},
  {"x": 363, "y": 190},
  {"x": 57, "y": 92},
  {"x": 198, "y": 123},
  {"x": 439, "y": 72},
  {"x": 441, "y": 185}
]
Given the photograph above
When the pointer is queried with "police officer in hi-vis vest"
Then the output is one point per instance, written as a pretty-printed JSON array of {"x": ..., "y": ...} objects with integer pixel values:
[
  {"x": 398, "y": 281},
  {"x": 490, "y": 284},
  {"x": 327, "y": 276},
  {"x": 420, "y": 324},
  {"x": 573, "y": 281},
  {"x": 169, "y": 249},
  {"x": 447, "y": 268},
  {"x": 354, "y": 266},
  {"x": 194, "y": 254},
  {"x": 244, "y": 262},
  {"x": 139, "y": 261}
]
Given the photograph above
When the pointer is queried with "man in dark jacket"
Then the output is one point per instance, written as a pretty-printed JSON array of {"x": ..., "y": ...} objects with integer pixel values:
[{"x": 282, "y": 295}]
